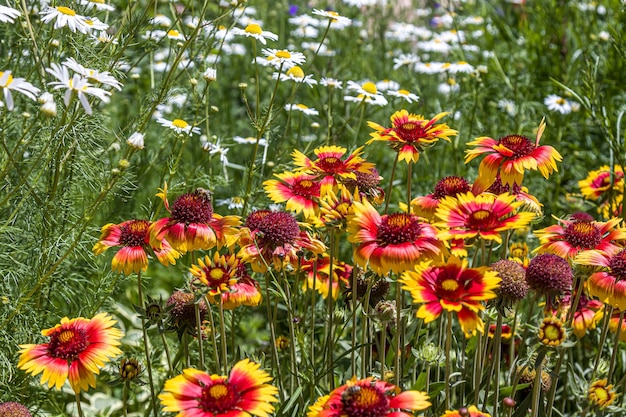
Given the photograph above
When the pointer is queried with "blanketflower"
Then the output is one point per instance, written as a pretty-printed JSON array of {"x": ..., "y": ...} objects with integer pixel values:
[
  {"x": 410, "y": 134},
  {"x": 608, "y": 284},
  {"x": 317, "y": 272},
  {"x": 274, "y": 238},
  {"x": 300, "y": 190},
  {"x": 426, "y": 206},
  {"x": 601, "y": 394},
  {"x": 134, "y": 239},
  {"x": 472, "y": 411},
  {"x": 484, "y": 216},
  {"x": 602, "y": 181},
  {"x": 226, "y": 277},
  {"x": 8, "y": 83},
  {"x": 571, "y": 238},
  {"x": 588, "y": 313},
  {"x": 392, "y": 241},
  {"x": 367, "y": 397},
  {"x": 193, "y": 225},
  {"x": 511, "y": 156},
  {"x": 76, "y": 351},
  {"x": 329, "y": 167},
  {"x": 244, "y": 392},
  {"x": 452, "y": 287}
]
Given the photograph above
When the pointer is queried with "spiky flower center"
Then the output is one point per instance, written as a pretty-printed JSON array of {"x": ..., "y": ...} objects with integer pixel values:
[
  {"x": 134, "y": 233},
  {"x": 67, "y": 343},
  {"x": 481, "y": 220},
  {"x": 583, "y": 235},
  {"x": 129, "y": 369},
  {"x": 254, "y": 29},
  {"x": 219, "y": 398},
  {"x": 617, "y": 264},
  {"x": 330, "y": 164},
  {"x": 255, "y": 219},
  {"x": 193, "y": 208},
  {"x": 411, "y": 131},
  {"x": 278, "y": 229},
  {"x": 364, "y": 401},
  {"x": 306, "y": 188},
  {"x": 398, "y": 228},
  {"x": 518, "y": 144},
  {"x": 450, "y": 186}
]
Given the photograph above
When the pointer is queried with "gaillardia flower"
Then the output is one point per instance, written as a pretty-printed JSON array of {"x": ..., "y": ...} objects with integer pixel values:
[
  {"x": 329, "y": 168},
  {"x": 550, "y": 275},
  {"x": 301, "y": 191},
  {"x": 510, "y": 156},
  {"x": 225, "y": 276},
  {"x": 599, "y": 183},
  {"x": 244, "y": 392},
  {"x": 274, "y": 238},
  {"x": 452, "y": 287},
  {"x": 609, "y": 284},
  {"x": 317, "y": 272},
  {"x": 448, "y": 186},
  {"x": 601, "y": 394},
  {"x": 133, "y": 237},
  {"x": 366, "y": 397},
  {"x": 468, "y": 216},
  {"x": 471, "y": 411},
  {"x": 77, "y": 349},
  {"x": 410, "y": 134},
  {"x": 193, "y": 225},
  {"x": 571, "y": 238},
  {"x": 390, "y": 242}
]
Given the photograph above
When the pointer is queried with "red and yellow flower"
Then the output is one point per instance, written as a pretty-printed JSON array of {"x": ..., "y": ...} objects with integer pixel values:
[
  {"x": 602, "y": 182},
  {"x": 244, "y": 392},
  {"x": 317, "y": 272},
  {"x": 410, "y": 134},
  {"x": 193, "y": 225},
  {"x": 451, "y": 186},
  {"x": 588, "y": 313},
  {"x": 471, "y": 411},
  {"x": 275, "y": 238},
  {"x": 226, "y": 277},
  {"x": 391, "y": 241},
  {"x": 601, "y": 394},
  {"x": 329, "y": 168},
  {"x": 483, "y": 216},
  {"x": 300, "y": 191},
  {"x": 511, "y": 156},
  {"x": 367, "y": 397},
  {"x": 609, "y": 284},
  {"x": 452, "y": 287},
  {"x": 571, "y": 238},
  {"x": 76, "y": 350},
  {"x": 134, "y": 239}
]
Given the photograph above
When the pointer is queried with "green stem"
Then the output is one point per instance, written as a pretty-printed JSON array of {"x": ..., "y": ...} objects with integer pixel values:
[
  {"x": 393, "y": 173},
  {"x": 145, "y": 346},
  {"x": 223, "y": 336},
  {"x": 216, "y": 356},
  {"x": 79, "y": 408},
  {"x": 616, "y": 345},
  {"x": 125, "y": 399},
  {"x": 199, "y": 333},
  {"x": 448, "y": 364}
]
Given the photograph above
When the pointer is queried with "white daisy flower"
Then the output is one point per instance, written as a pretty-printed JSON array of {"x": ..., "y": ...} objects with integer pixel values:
[
  {"x": 77, "y": 84},
  {"x": 295, "y": 74},
  {"x": 332, "y": 83},
  {"x": 305, "y": 32},
  {"x": 405, "y": 59},
  {"x": 97, "y": 4},
  {"x": 161, "y": 20},
  {"x": 361, "y": 3},
  {"x": 95, "y": 24},
  {"x": 461, "y": 66},
  {"x": 282, "y": 58},
  {"x": 304, "y": 20},
  {"x": 254, "y": 31},
  {"x": 385, "y": 85},
  {"x": 302, "y": 108},
  {"x": 154, "y": 35},
  {"x": 8, "y": 14},
  {"x": 368, "y": 88},
  {"x": 103, "y": 37},
  {"x": 232, "y": 202},
  {"x": 175, "y": 35},
  {"x": 434, "y": 45},
  {"x": 558, "y": 103},
  {"x": 378, "y": 100},
  {"x": 210, "y": 74},
  {"x": 64, "y": 16},
  {"x": 250, "y": 140},
  {"x": 136, "y": 140},
  {"x": 429, "y": 67},
  {"x": 336, "y": 20},
  {"x": 8, "y": 83},
  {"x": 179, "y": 126},
  {"x": 508, "y": 106},
  {"x": 104, "y": 77},
  {"x": 404, "y": 94}
]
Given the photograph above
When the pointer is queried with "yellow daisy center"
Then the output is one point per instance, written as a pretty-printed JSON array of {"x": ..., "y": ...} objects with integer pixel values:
[
  {"x": 296, "y": 72},
  {"x": 552, "y": 332},
  {"x": 601, "y": 395},
  {"x": 560, "y": 101},
  {"x": 218, "y": 391},
  {"x": 404, "y": 92},
  {"x": 66, "y": 10},
  {"x": 9, "y": 80},
  {"x": 254, "y": 29},
  {"x": 181, "y": 124},
  {"x": 369, "y": 87},
  {"x": 173, "y": 32},
  {"x": 449, "y": 285},
  {"x": 302, "y": 106},
  {"x": 283, "y": 54},
  {"x": 216, "y": 274},
  {"x": 97, "y": 1}
]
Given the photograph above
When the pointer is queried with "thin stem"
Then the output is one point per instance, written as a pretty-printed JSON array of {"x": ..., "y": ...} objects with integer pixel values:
[
  {"x": 399, "y": 306},
  {"x": 273, "y": 347},
  {"x": 199, "y": 333},
  {"x": 393, "y": 172},
  {"x": 79, "y": 408},
  {"x": 608, "y": 312},
  {"x": 167, "y": 352},
  {"x": 537, "y": 384},
  {"x": 216, "y": 356},
  {"x": 125, "y": 399},
  {"x": 223, "y": 342},
  {"x": 497, "y": 347},
  {"x": 448, "y": 364},
  {"x": 331, "y": 308},
  {"x": 145, "y": 347},
  {"x": 615, "y": 345}
]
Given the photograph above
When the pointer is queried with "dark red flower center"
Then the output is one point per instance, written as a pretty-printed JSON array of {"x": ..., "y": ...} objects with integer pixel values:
[
  {"x": 193, "y": 208},
  {"x": 255, "y": 218},
  {"x": 330, "y": 164},
  {"x": 617, "y": 264},
  {"x": 277, "y": 228},
  {"x": 398, "y": 228},
  {"x": 134, "y": 233},
  {"x": 306, "y": 188},
  {"x": 450, "y": 186},
  {"x": 481, "y": 220},
  {"x": 216, "y": 276},
  {"x": 518, "y": 144},
  {"x": 583, "y": 235},
  {"x": 364, "y": 401},
  {"x": 219, "y": 398},
  {"x": 67, "y": 343},
  {"x": 411, "y": 131}
]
